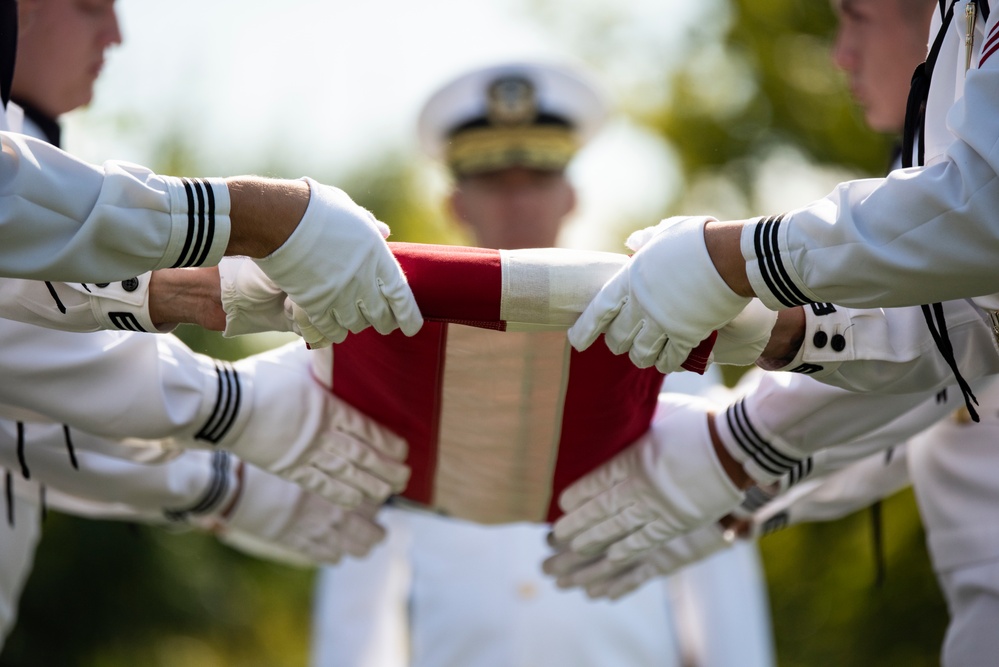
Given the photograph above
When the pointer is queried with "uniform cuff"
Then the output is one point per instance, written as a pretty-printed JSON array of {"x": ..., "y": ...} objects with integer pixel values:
[
  {"x": 122, "y": 305},
  {"x": 769, "y": 267},
  {"x": 827, "y": 343},
  {"x": 199, "y": 212},
  {"x": 754, "y": 449}
]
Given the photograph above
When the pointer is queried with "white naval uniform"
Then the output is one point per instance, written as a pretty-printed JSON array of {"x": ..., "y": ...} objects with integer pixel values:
[
  {"x": 64, "y": 219},
  {"x": 116, "y": 384},
  {"x": 35, "y": 454},
  {"x": 445, "y": 592},
  {"x": 930, "y": 233},
  {"x": 953, "y": 467}
]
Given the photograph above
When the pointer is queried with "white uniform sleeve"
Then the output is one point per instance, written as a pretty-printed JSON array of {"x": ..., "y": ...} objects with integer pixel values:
[
  {"x": 80, "y": 307},
  {"x": 120, "y": 384},
  {"x": 918, "y": 236},
  {"x": 892, "y": 350},
  {"x": 835, "y": 495},
  {"x": 64, "y": 219},
  {"x": 778, "y": 426},
  {"x": 195, "y": 483}
]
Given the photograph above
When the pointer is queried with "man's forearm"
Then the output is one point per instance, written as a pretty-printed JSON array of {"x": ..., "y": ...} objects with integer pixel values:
[
  {"x": 264, "y": 213},
  {"x": 724, "y": 243},
  {"x": 187, "y": 296},
  {"x": 785, "y": 340}
]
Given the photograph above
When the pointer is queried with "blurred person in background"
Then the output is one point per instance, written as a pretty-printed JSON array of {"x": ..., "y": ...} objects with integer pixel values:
[{"x": 445, "y": 591}]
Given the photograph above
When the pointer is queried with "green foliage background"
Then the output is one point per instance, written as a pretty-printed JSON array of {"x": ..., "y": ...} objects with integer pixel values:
[{"x": 748, "y": 79}]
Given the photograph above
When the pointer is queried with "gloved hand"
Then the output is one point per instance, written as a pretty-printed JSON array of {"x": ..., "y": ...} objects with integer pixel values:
[
  {"x": 667, "y": 483},
  {"x": 603, "y": 578},
  {"x": 337, "y": 267},
  {"x": 275, "y": 519},
  {"x": 254, "y": 304},
  {"x": 742, "y": 341},
  {"x": 300, "y": 431},
  {"x": 664, "y": 302}
]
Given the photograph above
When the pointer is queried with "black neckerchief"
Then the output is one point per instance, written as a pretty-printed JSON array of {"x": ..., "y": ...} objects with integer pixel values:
[
  {"x": 8, "y": 46},
  {"x": 913, "y": 147},
  {"x": 46, "y": 123}
]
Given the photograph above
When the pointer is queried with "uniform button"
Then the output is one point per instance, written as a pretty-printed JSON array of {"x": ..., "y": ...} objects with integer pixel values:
[
  {"x": 838, "y": 343},
  {"x": 130, "y": 285},
  {"x": 101, "y": 285},
  {"x": 819, "y": 339},
  {"x": 527, "y": 591}
]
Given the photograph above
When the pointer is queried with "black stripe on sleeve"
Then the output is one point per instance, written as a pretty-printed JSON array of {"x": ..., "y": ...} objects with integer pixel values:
[
  {"x": 182, "y": 259},
  {"x": 777, "y": 522},
  {"x": 771, "y": 265},
  {"x": 9, "y": 487},
  {"x": 125, "y": 321},
  {"x": 227, "y": 404},
  {"x": 55, "y": 297},
  {"x": 200, "y": 216},
  {"x": 69, "y": 447},
  {"x": 21, "y": 459},
  {"x": 756, "y": 447},
  {"x": 218, "y": 485},
  {"x": 800, "y": 471},
  {"x": 209, "y": 229}
]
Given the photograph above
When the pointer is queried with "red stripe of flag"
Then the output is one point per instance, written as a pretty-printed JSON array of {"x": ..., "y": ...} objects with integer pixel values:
[
  {"x": 990, "y": 45},
  {"x": 609, "y": 403},
  {"x": 397, "y": 381},
  {"x": 454, "y": 283}
]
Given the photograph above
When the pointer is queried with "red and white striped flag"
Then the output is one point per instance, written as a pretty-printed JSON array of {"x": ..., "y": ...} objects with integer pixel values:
[{"x": 499, "y": 411}]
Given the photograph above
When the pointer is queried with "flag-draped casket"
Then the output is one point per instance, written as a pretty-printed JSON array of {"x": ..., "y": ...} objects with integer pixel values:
[{"x": 499, "y": 411}]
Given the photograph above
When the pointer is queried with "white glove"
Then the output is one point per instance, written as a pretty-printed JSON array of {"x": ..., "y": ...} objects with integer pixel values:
[
  {"x": 254, "y": 304},
  {"x": 337, "y": 267},
  {"x": 742, "y": 341},
  {"x": 606, "y": 579},
  {"x": 299, "y": 430},
  {"x": 667, "y": 483},
  {"x": 664, "y": 302},
  {"x": 278, "y": 520}
]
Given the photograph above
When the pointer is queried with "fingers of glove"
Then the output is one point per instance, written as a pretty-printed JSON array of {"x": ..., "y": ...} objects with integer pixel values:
[
  {"x": 303, "y": 326},
  {"x": 594, "y": 510},
  {"x": 639, "y": 238},
  {"x": 564, "y": 563},
  {"x": 382, "y": 228},
  {"x": 328, "y": 325},
  {"x": 600, "y": 312},
  {"x": 671, "y": 356},
  {"x": 350, "y": 421},
  {"x": 322, "y": 483},
  {"x": 625, "y": 582},
  {"x": 359, "y": 534},
  {"x": 647, "y": 346},
  {"x": 392, "y": 473},
  {"x": 589, "y": 575},
  {"x": 346, "y": 471},
  {"x": 375, "y": 312},
  {"x": 400, "y": 299},
  {"x": 321, "y": 549},
  {"x": 621, "y": 333},
  {"x": 648, "y": 537},
  {"x": 599, "y": 480},
  {"x": 607, "y": 534}
]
